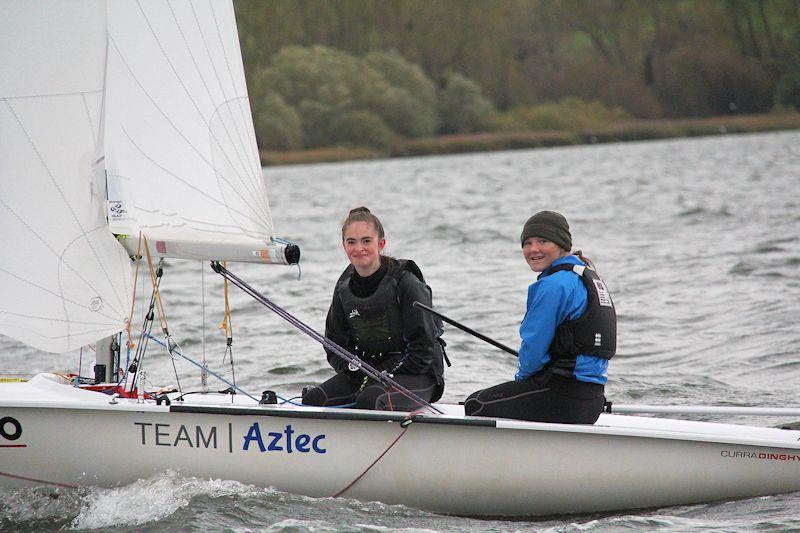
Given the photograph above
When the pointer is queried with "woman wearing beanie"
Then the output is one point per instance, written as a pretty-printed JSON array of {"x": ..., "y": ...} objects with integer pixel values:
[
  {"x": 568, "y": 335},
  {"x": 372, "y": 315}
]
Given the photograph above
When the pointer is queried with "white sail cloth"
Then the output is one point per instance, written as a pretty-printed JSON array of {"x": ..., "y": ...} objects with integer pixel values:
[
  {"x": 180, "y": 148},
  {"x": 63, "y": 278},
  {"x": 151, "y": 94}
]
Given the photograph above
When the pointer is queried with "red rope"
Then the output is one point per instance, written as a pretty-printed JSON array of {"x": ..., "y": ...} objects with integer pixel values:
[
  {"x": 389, "y": 398},
  {"x": 57, "y": 484},
  {"x": 373, "y": 464}
]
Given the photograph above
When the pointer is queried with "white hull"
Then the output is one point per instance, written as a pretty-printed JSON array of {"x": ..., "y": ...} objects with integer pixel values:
[{"x": 444, "y": 463}]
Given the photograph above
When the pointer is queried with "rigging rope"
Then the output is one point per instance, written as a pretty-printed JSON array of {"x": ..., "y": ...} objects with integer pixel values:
[
  {"x": 227, "y": 325},
  {"x": 80, "y": 364},
  {"x": 162, "y": 317},
  {"x": 156, "y": 304},
  {"x": 144, "y": 335},
  {"x": 381, "y": 377},
  {"x": 133, "y": 297},
  {"x": 147, "y": 325},
  {"x": 226, "y": 321}
]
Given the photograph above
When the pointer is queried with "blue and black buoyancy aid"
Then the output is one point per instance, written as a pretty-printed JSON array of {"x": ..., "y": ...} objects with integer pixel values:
[{"x": 594, "y": 332}]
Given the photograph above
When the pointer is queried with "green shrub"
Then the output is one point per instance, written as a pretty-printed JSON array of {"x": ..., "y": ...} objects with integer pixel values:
[
  {"x": 412, "y": 103},
  {"x": 462, "y": 106},
  {"x": 301, "y": 74},
  {"x": 277, "y": 124},
  {"x": 787, "y": 91},
  {"x": 323, "y": 83},
  {"x": 698, "y": 81},
  {"x": 361, "y": 128},
  {"x": 316, "y": 118},
  {"x": 400, "y": 73},
  {"x": 407, "y": 115},
  {"x": 569, "y": 114},
  {"x": 611, "y": 85}
]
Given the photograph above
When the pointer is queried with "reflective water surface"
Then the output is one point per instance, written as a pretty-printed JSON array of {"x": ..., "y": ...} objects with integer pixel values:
[{"x": 698, "y": 240}]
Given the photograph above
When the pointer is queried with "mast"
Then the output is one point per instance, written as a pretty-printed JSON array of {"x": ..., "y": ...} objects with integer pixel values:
[{"x": 107, "y": 360}]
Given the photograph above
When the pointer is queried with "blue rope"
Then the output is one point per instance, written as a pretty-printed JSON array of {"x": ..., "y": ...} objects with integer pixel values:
[
  {"x": 281, "y": 398},
  {"x": 290, "y": 400},
  {"x": 198, "y": 365},
  {"x": 342, "y": 406},
  {"x": 284, "y": 241}
]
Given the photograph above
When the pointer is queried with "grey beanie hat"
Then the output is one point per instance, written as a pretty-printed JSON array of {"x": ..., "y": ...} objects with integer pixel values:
[{"x": 548, "y": 225}]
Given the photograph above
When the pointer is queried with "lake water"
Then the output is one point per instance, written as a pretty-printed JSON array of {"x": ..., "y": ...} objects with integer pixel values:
[{"x": 698, "y": 240}]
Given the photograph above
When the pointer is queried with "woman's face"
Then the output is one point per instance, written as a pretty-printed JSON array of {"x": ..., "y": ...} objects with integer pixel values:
[
  {"x": 540, "y": 253},
  {"x": 363, "y": 247}
]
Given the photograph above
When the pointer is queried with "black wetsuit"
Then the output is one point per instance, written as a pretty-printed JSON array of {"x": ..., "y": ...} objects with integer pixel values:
[
  {"x": 544, "y": 397},
  {"x": 374, "y": 318}
]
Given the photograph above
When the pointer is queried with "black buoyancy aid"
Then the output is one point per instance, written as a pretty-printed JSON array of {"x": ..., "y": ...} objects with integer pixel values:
[
  {"x": 375, "y": 322},
  {"x": 594, "y": 332}
]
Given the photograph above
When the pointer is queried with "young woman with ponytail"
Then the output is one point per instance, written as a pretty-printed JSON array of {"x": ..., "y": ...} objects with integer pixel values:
[{"x": 372, "y": 315}]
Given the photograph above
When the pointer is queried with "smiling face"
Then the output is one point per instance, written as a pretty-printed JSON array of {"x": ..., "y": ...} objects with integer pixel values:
[
  {"x": 540, "y": 253},
  {"x": 363, "y": 247}
]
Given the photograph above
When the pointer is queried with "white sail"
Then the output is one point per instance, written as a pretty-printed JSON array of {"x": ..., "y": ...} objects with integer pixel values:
[
  {"x": 63, "y": 278},
  {"x": 119, "y": 117},
  {"x": 181, "y": 153}
]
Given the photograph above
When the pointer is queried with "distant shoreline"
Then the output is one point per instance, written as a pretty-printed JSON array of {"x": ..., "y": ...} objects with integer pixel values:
[{"x": 635, "y": 130}]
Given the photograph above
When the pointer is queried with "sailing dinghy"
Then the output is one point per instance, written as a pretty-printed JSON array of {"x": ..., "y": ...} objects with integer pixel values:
[{"x": 125, "y": 131}]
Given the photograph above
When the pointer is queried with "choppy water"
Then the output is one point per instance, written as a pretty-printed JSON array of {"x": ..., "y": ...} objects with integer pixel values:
[{"x": 698, "y": 240}]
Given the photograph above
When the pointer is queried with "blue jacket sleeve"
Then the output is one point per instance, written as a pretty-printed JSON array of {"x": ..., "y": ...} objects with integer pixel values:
[{"x": 546, "y": 310}]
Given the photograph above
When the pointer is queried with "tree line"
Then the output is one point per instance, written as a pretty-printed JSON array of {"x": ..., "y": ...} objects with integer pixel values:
[{"x": 365, "y": 71}]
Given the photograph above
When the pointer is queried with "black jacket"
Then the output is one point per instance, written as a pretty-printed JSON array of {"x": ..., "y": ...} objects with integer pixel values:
[{"x": 421, "y": 349}]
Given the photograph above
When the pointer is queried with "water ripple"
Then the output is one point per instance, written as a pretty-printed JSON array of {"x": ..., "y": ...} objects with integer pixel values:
[{"x": 698, "y": 240}]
